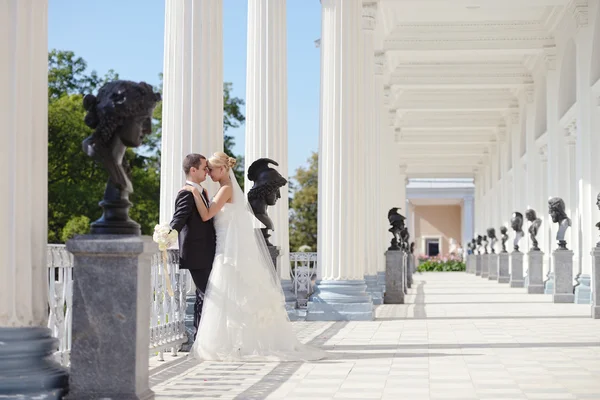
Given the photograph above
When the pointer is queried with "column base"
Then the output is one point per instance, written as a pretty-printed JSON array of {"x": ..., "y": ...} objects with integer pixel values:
[
  {"x": 340, "y": 301},
  {"x": 27, "y": 369},
  {"x": 381, "y": 281},
  {"x": 583, "y": 291},
  {"x": 373, "y": 289},
  {"x": 563, "y": 298},
  {"x": 549, "y": 284}
]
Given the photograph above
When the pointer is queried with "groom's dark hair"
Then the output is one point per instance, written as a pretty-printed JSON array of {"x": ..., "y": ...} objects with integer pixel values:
[{"x": 192, "y": 160}]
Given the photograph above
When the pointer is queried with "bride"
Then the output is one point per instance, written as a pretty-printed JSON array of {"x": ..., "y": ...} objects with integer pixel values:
[{"x": 244, "y": 316}]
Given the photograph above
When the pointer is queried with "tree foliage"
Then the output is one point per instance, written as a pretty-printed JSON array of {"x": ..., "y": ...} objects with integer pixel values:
[
  {"x": 75, "y": 183},
  {"x": 303, "y": 206}
]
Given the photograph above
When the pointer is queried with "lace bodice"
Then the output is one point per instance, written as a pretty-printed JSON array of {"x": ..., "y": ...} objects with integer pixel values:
[{"x": 221, "y": 221}]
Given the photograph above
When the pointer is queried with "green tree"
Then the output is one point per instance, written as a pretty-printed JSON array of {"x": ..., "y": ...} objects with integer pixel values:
[
  {"x": 79, "y": 225},
  {"x": 232, "y": 118},
  {"x": 75, "y": 183},
  {"x": 303, "y": 205}
]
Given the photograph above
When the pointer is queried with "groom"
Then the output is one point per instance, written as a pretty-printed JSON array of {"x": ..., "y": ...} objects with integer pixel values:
[{"x": 197, "y": 238}]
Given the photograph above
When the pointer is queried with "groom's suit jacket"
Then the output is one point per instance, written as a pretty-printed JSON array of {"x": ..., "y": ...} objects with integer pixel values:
[{"x": 197, "y": 238}]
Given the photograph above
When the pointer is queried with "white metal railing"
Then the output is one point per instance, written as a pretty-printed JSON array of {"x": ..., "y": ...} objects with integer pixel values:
[
  {"x": 60, "y": 299},
  {"x": 167, "y": 321},
  {"x": 167, "y": 315},
  {"x": 303, "y": 269}
]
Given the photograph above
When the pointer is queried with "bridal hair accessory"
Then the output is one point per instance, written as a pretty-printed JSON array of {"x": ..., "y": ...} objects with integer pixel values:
[{"x": 164, "y": 236}]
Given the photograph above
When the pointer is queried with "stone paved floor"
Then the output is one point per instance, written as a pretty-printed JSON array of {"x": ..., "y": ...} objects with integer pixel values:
[{"x": 458, "y": 337}]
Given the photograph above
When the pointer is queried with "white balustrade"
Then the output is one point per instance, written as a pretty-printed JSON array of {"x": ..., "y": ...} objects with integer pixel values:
[
  {"x": 303, "y": 270},
  {"x": 60, "y": 299}
]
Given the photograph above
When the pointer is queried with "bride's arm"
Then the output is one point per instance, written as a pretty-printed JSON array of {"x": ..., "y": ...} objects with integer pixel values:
[{"x": 222, "y": 197}]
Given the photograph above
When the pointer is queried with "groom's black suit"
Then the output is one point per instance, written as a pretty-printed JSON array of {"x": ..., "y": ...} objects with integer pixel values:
[{"x": 197, "y": 244}]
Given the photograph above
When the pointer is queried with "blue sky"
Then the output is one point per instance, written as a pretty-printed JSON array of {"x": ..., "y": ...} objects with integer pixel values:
[{"x": 127, "y": 36}]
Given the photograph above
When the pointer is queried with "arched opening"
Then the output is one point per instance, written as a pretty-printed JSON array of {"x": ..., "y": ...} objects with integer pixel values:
[
  {"x": 541, "y": 116},
  {"x": 567, "y": 89}
]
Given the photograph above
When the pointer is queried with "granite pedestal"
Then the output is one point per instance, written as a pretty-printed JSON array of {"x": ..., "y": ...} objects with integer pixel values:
[
  {"x": 493, "y": 267},
  {"x": 485, "y": 266},
  {"x": 563, "y": 276},
  {"x": 503, "y": 270},
  {"x": 410, "y": 270},
  {"x": 405, "y": 271},
  {"x": 516, "y": 269},
  {"x": 471, "y": 261},
  {"x": 478, "y": 263},
  {"x": 596, "y": 280},
  {"x": 535, "y": 274},
  {"x": 111, "y": 317},
  {"x": 394, "y": 285}
]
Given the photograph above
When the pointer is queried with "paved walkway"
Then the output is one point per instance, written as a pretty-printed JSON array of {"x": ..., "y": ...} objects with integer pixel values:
[{"x": 458, "y": 337}]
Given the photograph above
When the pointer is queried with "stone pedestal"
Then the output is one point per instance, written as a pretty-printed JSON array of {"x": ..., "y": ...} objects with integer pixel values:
[
  {"x": 493, "y": 267},
  {"x": 516, "y": 269},
  {"x": 478, "y": 263},
  {"x": 503, "y": 270},
  {"x": 596, "y": 280},
  {"x": 583, "y": 289},
  {"x": 485, "y": 266},
  {"x": 535, "y": 275},
  {"x": 381, "y": 281},
  {"x": 563, "y": 276},
  {"x": 405, "y": 272},
  {"x": 409, "y": 270},
  {"x": 471, "y": 261},
  {"x": 111, "y": 317},
  {"x": 394, "y": 285}
]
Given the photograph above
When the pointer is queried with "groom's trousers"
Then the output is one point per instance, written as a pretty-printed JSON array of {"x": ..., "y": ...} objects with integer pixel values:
[{"x": 200, "y": 278}]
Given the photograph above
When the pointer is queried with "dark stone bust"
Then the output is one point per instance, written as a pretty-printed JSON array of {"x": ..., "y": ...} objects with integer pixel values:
[
  {"x": 491, "y": 233},
  {"x": 485, "y": 243},
  {"x": 397, "y": 225},
  {"x": 412, "y": 247},
  {"x": 516, "y": 223},
  {"x": 533, "y": 228},
  {"x": 504, "y": 233},
  {"x": 556, "y": 209},
  {"x": 265, "y": 192},
  {"x": 121, "y": 115},
  {"x": 598, "y": 224},
  {"x": 479, "y": 239}
]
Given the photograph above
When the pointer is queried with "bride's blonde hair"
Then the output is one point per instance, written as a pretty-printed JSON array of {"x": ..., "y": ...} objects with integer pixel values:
[{"x": 220, "y": 159}]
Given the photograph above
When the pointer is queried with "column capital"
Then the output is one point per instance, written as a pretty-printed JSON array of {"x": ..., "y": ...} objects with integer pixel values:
[
  {"x": 571, "y": 132},
  {"x": 549, "y": 55},
  {"x": 529, "y": 93},
  {"x": 579, "y": 11},
  {"x": 380, "y": 62},
  {"x": 543, "y": 152},
  {"x": 369, "y": 15}
]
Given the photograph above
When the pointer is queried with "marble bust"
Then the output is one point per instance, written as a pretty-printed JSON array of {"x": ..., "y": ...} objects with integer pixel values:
[
  {"x": 516, "y": 223},
  {"x": 533, "y": 228},
  {"x": 556, "y": 209},
  {"x": 504, "y": 233},
  {"x": 491, "y": 233}
]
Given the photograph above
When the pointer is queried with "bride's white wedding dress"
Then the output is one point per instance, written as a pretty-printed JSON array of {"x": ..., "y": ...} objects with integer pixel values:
[{"x": 244, "y": 316}]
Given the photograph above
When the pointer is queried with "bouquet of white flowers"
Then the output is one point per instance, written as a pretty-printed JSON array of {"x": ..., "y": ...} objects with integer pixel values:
[{"x": 165, "y": 237}]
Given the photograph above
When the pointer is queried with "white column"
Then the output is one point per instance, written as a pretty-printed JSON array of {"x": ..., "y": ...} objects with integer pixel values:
[
  {"x": 24, "y": 201},
  {"x": 341, "y": 274},
  {"x": 370, "y": 168},
  {"x": 542, "y": 208},
  {"x": 467, "y": 221},
  {"x": 266, "y": 107},
  {"x": 380, "y": 119},
  {"x": 192, "y": 92}
]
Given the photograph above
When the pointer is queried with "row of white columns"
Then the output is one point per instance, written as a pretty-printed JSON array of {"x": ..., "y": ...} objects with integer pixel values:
[
  {"x": 557, "y": 163},
  {"x": 193, "y": 97}
]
